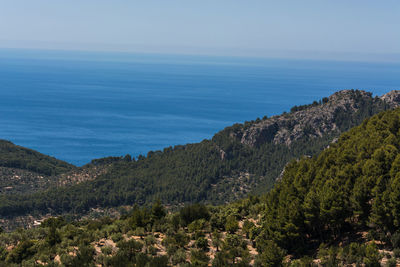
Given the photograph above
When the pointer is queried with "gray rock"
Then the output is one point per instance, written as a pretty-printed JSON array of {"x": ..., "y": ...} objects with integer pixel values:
[{"x": 311, "y": 121}]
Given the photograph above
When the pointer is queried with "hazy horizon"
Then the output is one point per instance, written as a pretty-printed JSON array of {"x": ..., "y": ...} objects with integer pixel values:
[
  {"x": 340, "y": 30},
  {"x": 290, "y": 55}
]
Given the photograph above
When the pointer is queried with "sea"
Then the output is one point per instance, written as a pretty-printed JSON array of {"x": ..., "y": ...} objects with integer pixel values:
[{"x": 78, "y": 106}]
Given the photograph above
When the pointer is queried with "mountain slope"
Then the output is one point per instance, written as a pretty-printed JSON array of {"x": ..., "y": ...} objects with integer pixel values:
[
  {"x": 24, "y": 170},
  {"x": 350, "y": 188},
  {"x": 241, "y": 159},
  {"x": 338, "y": 208},
  {"x": 334, "y": 114},
  {"x": 13, "y": 156}
]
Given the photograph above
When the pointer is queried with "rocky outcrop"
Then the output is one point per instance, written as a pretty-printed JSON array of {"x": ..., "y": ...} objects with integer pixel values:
[
  {"x": 327, "y": 116},
  {"x": 392, "y": 98}
]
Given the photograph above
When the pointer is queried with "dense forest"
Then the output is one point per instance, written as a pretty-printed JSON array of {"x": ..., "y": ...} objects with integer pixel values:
[
  {"x": 340, "y": 207},
  {"x": 18, "y": 157},
  {"x": 214, "y": 171}
]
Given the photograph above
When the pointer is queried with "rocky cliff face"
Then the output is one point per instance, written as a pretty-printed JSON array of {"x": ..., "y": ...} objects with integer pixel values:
[
  {"x": 327, "y": 116},
  {"x": 392, "y": 98}
]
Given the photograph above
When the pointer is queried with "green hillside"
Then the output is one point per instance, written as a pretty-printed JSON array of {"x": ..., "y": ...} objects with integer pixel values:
[
  {"x": 339, "y": 208},
  {"x": 352, "y": 186},
  {"x": 216, "y": 171},
  {"x": 13, "y": 156}
]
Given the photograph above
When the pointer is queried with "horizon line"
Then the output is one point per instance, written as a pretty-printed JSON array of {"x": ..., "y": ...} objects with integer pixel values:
[{"x": 225, "y": 52}]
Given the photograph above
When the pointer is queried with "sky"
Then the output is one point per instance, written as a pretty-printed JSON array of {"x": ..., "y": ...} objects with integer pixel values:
[{"x": 349, "y": 29}]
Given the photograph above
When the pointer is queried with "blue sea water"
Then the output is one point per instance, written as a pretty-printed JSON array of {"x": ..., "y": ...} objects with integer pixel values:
[{"x": 78, "y": 106}]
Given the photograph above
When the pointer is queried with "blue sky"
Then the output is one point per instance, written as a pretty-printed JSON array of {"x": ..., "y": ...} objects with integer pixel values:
[{"x": 315, "y": 29}]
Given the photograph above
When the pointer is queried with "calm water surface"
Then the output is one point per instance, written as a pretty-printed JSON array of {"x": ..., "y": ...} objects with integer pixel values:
[{"x": 77, "y": 106}]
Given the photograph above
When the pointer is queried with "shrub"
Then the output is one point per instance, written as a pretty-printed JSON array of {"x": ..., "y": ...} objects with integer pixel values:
[
  {"x": 231, "y": 225},
  {"x": 202, "y": 243},
  {"x": 198, "y": 257},
  {"x": 328, "y": 256},
  {"x": 353, "y": 253},
  {"x": 152, "y": 250},
  {"x": 395, "y": 240},
  {"x": 150, "y": 240},
  {"x": 272, "y": 255},
  {"x": 3, "y": 253},
  {"x": 161, "y": 261},
  {"x": 193, "y": 212},
  {"x": 117, "y": 237},
  {"x": 179, "y": 257},
  {"x": 247, "y": 226},
  {"x": 23, "y": 251},
  {"x": 391, "y": 262},
  {"x": 106, "y": 250},
  {"x": 396, "y": 252},
  {"x": 372, "y": 256},
  {"x": 196, "y": 225}
]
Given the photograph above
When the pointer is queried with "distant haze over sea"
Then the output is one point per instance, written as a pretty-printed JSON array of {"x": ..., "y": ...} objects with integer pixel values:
[{"x": 78, "y": 106}]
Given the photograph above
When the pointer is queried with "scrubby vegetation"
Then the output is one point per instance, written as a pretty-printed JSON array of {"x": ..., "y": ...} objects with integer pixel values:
[
  {"x": 194, "y": 236},
  {"x": 338, "y": 208}
]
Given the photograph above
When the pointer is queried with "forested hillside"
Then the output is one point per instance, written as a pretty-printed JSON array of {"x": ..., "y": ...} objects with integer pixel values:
[
  {"x": 242, "y": 159},
  {"x": 24, "y": 170},
  {"x": 351, "y": 189},
  {"x": 338, "y": 208},
  {"x": 13, "y": 156}
]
